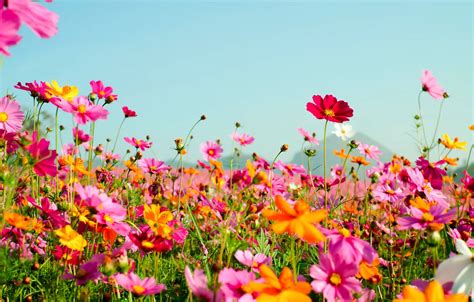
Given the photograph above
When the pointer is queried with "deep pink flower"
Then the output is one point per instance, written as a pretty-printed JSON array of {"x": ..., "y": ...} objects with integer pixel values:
[
  {"x": 80, "y": 136},
  {"x": 231, "y": 282},
  {"x": 138, "y": 143},
  {"x": 10, "y": 139},
  {"x": 84, "y": 111},
  {"x": 430, "y": 85},
  {"x": 433, "y": 219},
  {"x": 468, "y": 182},
  {"x": 152, "y": 166},
  {"x": 128, "y": 112},
  {"x": 197, "y": 283},
  {"x": 11, "y": 116},
  {"x": 43, "y": 158},
  {"x": 369, "y": 151},
  {"x": 384, "y": 192},
  {"x": 9, "y": 24},
  {"x": 36, "y": 90},
  {"x": 289, "y": 169},
  {"x": 431, "y": 172},
  {"x": 355, "y": 249},
  {"x": 307, "y": 137},
  {"x": 335, "y": 278},
  {"x": 88, "y": 271},
  {"x": 242, "y": 139},
  {"x": 329, "y": 109},
  {"x": 41, "y": 21},
  {"x": 137, "y": 286},
  {"x": 103, "y": 92},
  {"x": 211, "y": 150}
]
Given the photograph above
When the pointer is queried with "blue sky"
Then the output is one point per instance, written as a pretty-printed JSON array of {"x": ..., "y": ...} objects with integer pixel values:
[{"x": 258, "y": 63}]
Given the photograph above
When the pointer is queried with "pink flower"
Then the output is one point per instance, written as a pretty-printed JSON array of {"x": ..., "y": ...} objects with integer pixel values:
[
  {"x": 242, "y": 139},
  {"x": 80, "y": 136},
  {"x": 197, "y": 283},
  {"x": 335, "y": 278},
  {"x": 384, "y": 192},
  {"x": 431, "y": 172},
  {"x": 434, "y": 219},
  {"x": 36, "y": 90},
  {"x": 307, "y": 137},
  {"x": 430, "y": 85},
  {"x": 87, "y": 271},
  {"x": 103, "y": 92},
  {"x": 369, "y": 151},
  {"x": 10, "y": 24},
  {"x": 41, "y": 21},
  {"x": 252, "y": 261},
  {"x": 355, "y": 249},
  {"x": 84, "y": 111},
  {"x": 329, "y": 108},
  {"x": 231, "y": 285},
  {"x": 290, "y": 169},
  {"x": 152, "y": 166},
  {"x": 128, "y": 112},
  {"x": 211, "y": 150},
  {"x": 43, "y": 158},
  {"x": 138, "y": 143},
  {"x": 137, "y": 286},
  {"x": 11, "y": 116}
]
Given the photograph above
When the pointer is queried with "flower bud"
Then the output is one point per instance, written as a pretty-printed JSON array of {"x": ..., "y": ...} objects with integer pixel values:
[
  {"x": 284, "y": 148},
  {"x": 203, "y": 117}
]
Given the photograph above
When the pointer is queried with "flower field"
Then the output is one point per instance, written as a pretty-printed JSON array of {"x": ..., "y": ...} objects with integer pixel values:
[{"x": 80, "y": 221}]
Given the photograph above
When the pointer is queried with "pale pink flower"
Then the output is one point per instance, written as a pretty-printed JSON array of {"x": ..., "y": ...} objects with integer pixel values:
[
  {"x": 307, "y": 137},
  {"x": 290, "y": 169},
  {"x": 242, "y": 139},
  {"x": 369, "y": 151},
  {"x": 41, "y": 21},
  {"x": 430, "y": 85},
  {"x": 152, "y": 166},
  {"x": 11, "y": 116},
  {"x": 9, "y": 24},
  {"x": 84, "y": 110},
  {"x": 197, "y": 283},
  {"x": 211, "y": 150},
  {"x": 137, "y": 286},
  {"x": 231, "y": 282},
  {"x": 253, "y": 261},
  {"x": 138, "y": 143}
]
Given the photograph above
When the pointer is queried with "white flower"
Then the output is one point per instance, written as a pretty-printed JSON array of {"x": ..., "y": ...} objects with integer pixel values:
[
  {"x": 458, "y": 269},
  {"x": 344, "y": 131}
]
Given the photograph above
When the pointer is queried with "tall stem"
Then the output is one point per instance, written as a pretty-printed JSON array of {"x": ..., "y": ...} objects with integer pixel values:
[
  {"x": 91, "y": 150},
  {"x": 422, "y": 123},
  {"x": 437, "y": 124},
  {"x": 118, "y": 133},
  {"x": 324, "y": 166}
]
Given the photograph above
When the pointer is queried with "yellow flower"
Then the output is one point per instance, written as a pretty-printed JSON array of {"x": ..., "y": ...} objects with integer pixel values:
[
  {"x": 70, "y": 238},
  {"x": 433, "y": 293},
  {"x": 66, "y": 92},
  {"x": 157, "y": 220},
  {"x": 453, "y": 144},
  {"x": 20, "y": 221}
]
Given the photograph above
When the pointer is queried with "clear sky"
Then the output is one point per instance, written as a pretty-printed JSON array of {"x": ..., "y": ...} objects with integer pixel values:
[{"x": 258, "y": 62}]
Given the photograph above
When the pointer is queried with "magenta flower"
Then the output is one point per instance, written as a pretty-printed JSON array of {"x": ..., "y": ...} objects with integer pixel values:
[
  {"x": 128, "y": 112},
  {"x": 384, "y": 192},
  {"x": 197, "y": 283},
  {"x": 307, "y": 137},
  {"x": 80, "y": 136},
  {"x": 43, "y": 158},
  {"x": 10, "y": 24},
  {"x": 430, "y": 85},
  {"x": 434, "y": 219},
  {"x": 329, "y": 108},
  {"x": 289, "y": 169},
  {"x": 152, "y": 166},
  {"x": 431, "y": 172},
  {"x": 84, "y": 111},
  {"x": 36, "y": 90},
  {"x": 468, "y": 182},
  {"x": 355, "y": 249},
  {"x": 40, "y": 20},
  {"x": 211, "y": 150},
  {"x": 242, "y": 139},
  {"x": 137, "y": 286},
  {"x": 138, "y": 143},
  {"x": 253, "y": 261},
  {"x": 369, "y": 151},
  {"x": 231, "y": 285},
  {"x": 103, "y": 92},
  {"x": 88, "y": 271},
  {"x": 11, "y": 116},
  {"x": 335, "y": 278}
]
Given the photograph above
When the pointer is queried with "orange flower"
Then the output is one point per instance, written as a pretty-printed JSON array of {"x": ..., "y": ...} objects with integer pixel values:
[
  {"x": 471, "y": 127},
  {"x": 20, "y": 221},
  {"x": 360, "y": 160},
  {"x": 433, "y": 293},
  {"x": 451, "y": 161},
  {"x": 298, "y": 220},
  {"x": 282, "y": 288},
  {"x": 341, "y": 154},
  {"x": 158, "y": 220},
  {"x": 369, "y": 271},
  {"x": 421, "y": 204}
]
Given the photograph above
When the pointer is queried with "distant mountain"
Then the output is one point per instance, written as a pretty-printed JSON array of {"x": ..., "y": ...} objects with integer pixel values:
[{"x": 335, "y": 143}]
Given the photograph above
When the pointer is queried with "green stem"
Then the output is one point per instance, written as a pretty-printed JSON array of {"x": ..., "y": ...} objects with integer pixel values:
[
  {"x": 469, "y": 157},
  {"x": 91, "y": 150},
  {"x": 324, "y": 166},
  {"x": 118, "y": 133},
  {"x": 437, "y": 124},
  {"x": 421, "y": 121}
]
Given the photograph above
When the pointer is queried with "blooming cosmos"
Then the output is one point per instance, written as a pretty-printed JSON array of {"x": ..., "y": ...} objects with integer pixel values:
[
  {"x": 307, "y": 137},
  {"x": 70, "y": 238},
  {"x": 138, "y": 143},
  {"x": 211, "y": 150},
  {"x": 343, "y": 131},
  {"x": 137, "y": 286},
  {"x": 103, "y": 92},
  {"x": 65, "y": 92},
  {"x": 242, "y": 139},
  {"x": 297, "y": 219},
  {"x": 452, "y": 144},
  {"x": 329, "y": 108},
  {"x": 10, "y": 24},
  {"x": 369, "y": 151},
  {"x": 84, "y": 111},
  {"x": 152, "y": 166},
  {"x": 158, "y": 220},
  {"x": 430, "y": 85},
  {"x": 432, "y": 293},
  {"x": 128, "y": 112},
  {"x": 11, "y": 116},
  {"x": 43, "y": 158}
]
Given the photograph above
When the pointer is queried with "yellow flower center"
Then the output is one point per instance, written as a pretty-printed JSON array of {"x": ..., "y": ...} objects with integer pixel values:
[
  {"x": 82, "y": 108},
  {"x": 138, "y": 289},
  {"x": 66, "y": 90},
  {"x": 108, "y": 218},
  {"x": 101, "y": 93},
  {"x": 335, "y": 279},
  {"x": 329, "y": 112},
  {"x": 345, "y": 232},
  {"x": 3, "y": 117},
  {"x": 147, "y": 244},
  {"x": 427, "y": 217},
  {"x": 153, "y": 168},
  {"x": 211, "y": 152}
]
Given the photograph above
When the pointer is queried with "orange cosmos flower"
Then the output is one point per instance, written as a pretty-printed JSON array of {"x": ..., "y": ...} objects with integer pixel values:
[
  {"x": 452, "y": 144},
  {"x": 297, "y": 219},
  {"x": 369, "y": 271},
  {"x": 158, "y": 220},
  {"x": 433, "y": 293},
  {"x": 360, "y": 160},
  {"x": 451, "y": 161},
  {"x": 471, "y": 127},
  {"x": 282, "y": 288},
  {"x": 19, "y": 221},
  {"x": 341, "y": 154}
]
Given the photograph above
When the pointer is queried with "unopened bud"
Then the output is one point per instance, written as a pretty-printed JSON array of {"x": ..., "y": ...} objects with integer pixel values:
[
  {"x": 203, "y": 117},
  {"x": 284, "y": 148},
  {"x": 237, "y": 124}
]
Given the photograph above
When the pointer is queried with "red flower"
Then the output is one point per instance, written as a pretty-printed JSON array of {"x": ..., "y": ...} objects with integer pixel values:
[
  {"x": 329, "y": 109},
  {"x": 128, "y": 112}
]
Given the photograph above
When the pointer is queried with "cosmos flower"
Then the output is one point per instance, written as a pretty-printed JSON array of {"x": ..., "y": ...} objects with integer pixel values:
[
  {"x": 434, "y": 219},
  {"x": 432, "y": 293},
  {"x": 43, "y": 158},
  {"x": 307, "y": 137},
  {"x": 335, "y": 278},
  {"x": 290, "y": 169},
  {"x": 138, "y": 143},
  {"x": 296, "y": 220},
  {"x": 329, "y": 109},
  {"x": 65, "y": 92},
  {"x": 11, "y": 116},
  {"x": 369, "y": 151},
  {"x": 128, "y": 112},
  {"x": 343, "y": 131},
  {"x": 103, "y": 92},
  {"x": 197, "y": 283},
  {"x": 152, "y": 166},
  {"x": 452, "y": 144},
  {"x": 431, "y": 172},
  {"x": 242, "y": 139},
  {"x": 253, "y": 261},
  {"x": 84, "y": 111},
  {"x": 282, "y": 288},
  {"x": 231, "y": 285},
  {"x": 40, "y": 90},
  {"x": 39, "y": 19},
  {"x": 70, "y": 238},
  {"x": 158, "y": 220},
  {"x": 80, "y": 136},
  {"x": 211, "y": 150},
  {"x": 137, "y": 286},
  {"x": 430, "y": 85},
  {"x": 10, "y": 24},
  {"x": 355, "y": 249}
]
